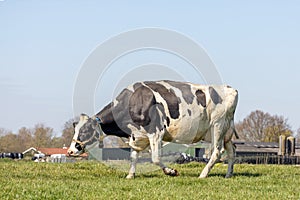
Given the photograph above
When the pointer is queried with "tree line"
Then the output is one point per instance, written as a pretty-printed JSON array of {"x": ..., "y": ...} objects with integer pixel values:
[
  {"x": 258, "y": 126},
  {"x": 38, "y": 136}
]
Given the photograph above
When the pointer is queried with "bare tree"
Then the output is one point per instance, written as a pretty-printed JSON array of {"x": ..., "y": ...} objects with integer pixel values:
[
  {"x": 42, "y": 136},
  {"x": 277, "y": 126},
  {"x": 252, "y": 127},
  {"x": 24, "y": 138},
  {"x": 67, "y": 134},
  {"x": 8, "y": 143},
  {"x": 297, "y": 136},
  {"x": 3, "y": 132},
  {"x": 68, "y": 131},
  {"x": 263, "y": 127},
  {"x": 11, "y": 142}
]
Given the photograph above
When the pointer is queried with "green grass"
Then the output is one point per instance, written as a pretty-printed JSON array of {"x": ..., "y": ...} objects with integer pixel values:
[{"x": 94, "y": 180}]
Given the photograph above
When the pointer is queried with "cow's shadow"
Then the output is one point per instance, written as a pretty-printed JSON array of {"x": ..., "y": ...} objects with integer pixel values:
[
  {"x": 196, "y": 175},
  {"x": 236, "y": 174},
  {"x": 149, "y": 175}
]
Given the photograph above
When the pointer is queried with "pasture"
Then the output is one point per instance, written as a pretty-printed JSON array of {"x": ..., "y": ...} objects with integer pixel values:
[{"x": 94, "y": 180}]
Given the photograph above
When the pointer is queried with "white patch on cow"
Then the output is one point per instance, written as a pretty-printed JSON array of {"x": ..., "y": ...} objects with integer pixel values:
[
  {"x": 83, "y": 119},
  {"x": 130, "y": 88},
  {"x": 189, "y": 127},
  {"x": 115, "y": 101},
  {"x": 140, "y": 140},
  {"x": 134, "y": 156}
]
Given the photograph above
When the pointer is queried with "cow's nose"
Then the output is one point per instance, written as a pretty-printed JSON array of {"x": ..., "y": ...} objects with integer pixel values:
[{"x": 70, "y": 152}]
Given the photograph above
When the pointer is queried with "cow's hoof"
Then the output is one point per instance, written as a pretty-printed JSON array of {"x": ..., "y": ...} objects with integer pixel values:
[
  {"x": 202, "y": 176},
  {"x": 130, "y": 176},
  {"x": 171, "y": 172},
  {"x": 228, "y": 176}
]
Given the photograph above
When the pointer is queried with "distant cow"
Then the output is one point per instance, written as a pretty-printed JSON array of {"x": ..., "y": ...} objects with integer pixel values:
[{"x": 150, "y": 112}]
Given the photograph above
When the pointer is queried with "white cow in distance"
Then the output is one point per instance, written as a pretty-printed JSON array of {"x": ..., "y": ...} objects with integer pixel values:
[{"x": 150, "y": 112}]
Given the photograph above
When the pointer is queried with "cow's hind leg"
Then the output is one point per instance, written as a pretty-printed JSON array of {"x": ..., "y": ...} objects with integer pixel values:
[
  {"x": 155, "y": 144},
  {"x": 134, "y": 158},
  {"x": 217, "y": 147},
  {"x": 231, "y": 155}
]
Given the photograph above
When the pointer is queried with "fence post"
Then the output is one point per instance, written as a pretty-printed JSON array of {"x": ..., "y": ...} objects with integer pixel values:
[
  {"x": 290, "y": 141},
  {"x": 282, "y": 145}
]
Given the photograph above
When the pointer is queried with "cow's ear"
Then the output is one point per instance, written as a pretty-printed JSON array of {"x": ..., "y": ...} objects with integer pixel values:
[
  {"x": 94, "y": 123},
  {"x": 74, "y": 124}
]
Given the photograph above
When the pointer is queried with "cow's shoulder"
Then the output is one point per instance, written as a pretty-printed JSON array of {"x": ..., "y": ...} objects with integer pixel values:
[
  {"x": 168, "y": 95},
  {"x": 140, "y": 103}
]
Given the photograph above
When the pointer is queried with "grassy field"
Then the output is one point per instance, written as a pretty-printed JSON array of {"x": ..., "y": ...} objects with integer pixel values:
[{"x": 93, "y": 180}]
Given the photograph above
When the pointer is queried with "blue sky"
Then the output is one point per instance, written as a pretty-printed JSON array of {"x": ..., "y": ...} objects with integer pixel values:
[{"x": 43, "y": 44}]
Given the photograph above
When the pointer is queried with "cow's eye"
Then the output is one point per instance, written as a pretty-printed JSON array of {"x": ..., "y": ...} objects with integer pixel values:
[
  {"x": 78, "y": 147},
  {"x": 81, "y": 138}
]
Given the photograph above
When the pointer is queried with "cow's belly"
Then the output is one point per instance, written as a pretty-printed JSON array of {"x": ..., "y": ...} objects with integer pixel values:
[{"x": 187, "y": 130}]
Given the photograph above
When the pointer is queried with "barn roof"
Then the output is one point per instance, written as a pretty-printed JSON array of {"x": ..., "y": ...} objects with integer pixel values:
[
  {"x": 51, "y": 151},
  {"x": 271, "y": 147},
  {"x": 31, "y": 149}
]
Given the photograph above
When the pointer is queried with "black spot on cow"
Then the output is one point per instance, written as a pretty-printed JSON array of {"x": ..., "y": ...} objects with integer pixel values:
[
  {"x": 201, "y": 98},
  {"x": 156, "y": 122},
  {"x": 115, "y": 118},
  {"x": 215, "y": 96},
  {"x": 137, "y": 85},
  {"x": 105, "y": 115},
  {"x": 168, "y": 121},
  {"x": 108, "y": 122},
  {"x": 179, "y": 100},
  {"x": 140, "y": 104},
  {"x": 124, "y": 96},
  {"x": 185, "y": 90},
  {"x": 190, "y": 112},
  {"x": 88, "y": 133},
  {"x": 168, "y": 95},
  {"x": 75, "y": 124}
]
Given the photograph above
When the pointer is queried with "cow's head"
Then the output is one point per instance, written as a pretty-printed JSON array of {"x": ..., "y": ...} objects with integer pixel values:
[{"x": 87, "y": 134}]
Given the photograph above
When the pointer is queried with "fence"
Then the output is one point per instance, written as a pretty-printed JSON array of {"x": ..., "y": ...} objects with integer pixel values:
[{"x": 269, "y": 159}]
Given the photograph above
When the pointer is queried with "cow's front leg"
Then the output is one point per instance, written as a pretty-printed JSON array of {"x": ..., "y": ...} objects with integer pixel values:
[
  {"x": 212, "y": 161},
  {"x": 134, "y": 157},
  {"x": 155, "y": 140}
]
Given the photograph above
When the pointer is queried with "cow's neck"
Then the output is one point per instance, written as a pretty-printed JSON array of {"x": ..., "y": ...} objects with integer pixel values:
[{"x": 108, "y": 122}]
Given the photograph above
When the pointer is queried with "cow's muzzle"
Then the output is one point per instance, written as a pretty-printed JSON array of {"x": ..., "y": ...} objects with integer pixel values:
[{"x": 74, "y": 153}]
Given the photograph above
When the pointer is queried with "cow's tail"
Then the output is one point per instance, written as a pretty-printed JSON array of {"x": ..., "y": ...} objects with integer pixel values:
[{"x": 233, "y": 129}]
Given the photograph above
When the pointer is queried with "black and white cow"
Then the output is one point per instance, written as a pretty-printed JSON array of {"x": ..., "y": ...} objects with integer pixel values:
[{"x": 150, "y": 112}]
